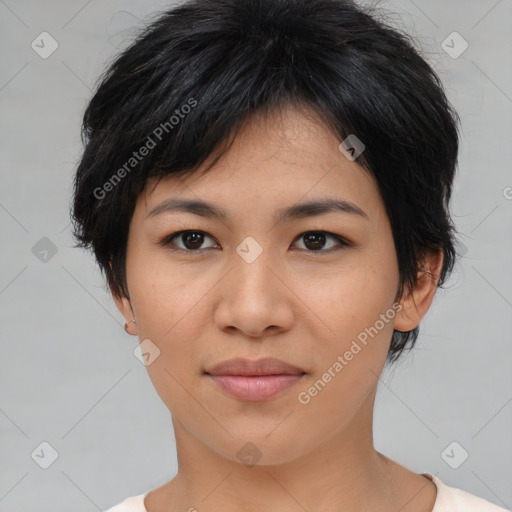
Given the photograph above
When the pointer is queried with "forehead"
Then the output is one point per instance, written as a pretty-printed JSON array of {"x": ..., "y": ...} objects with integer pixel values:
[{"x": 275, "y": 159}]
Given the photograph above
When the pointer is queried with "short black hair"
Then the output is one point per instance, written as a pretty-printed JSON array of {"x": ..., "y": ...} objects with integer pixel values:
[{"x": 190, "y": 80}]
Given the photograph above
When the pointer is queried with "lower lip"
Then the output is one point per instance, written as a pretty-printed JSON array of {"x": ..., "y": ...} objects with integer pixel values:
[{"x": 255, "y": 388}]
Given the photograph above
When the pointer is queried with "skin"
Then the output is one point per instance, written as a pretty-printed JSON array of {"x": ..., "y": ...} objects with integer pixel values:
[{"x": 298, "y": 304}]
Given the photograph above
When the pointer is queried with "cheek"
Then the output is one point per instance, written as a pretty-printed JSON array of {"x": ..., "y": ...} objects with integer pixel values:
[
  {"x": 172, "y": 311},
  {"x": 357, "y": 312},
  {"x": 362, "y": 301},
  {"x": 166, "y": 296},
  {"x": 353, "y": 297}
]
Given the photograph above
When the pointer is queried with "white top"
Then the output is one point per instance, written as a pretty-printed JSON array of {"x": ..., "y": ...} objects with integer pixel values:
[{"x": 449, "y": 499}]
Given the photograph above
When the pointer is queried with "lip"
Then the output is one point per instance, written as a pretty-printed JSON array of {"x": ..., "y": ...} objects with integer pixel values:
[
  {"x": 255, "y": 380},
  {"x": 264, "y": 366}
]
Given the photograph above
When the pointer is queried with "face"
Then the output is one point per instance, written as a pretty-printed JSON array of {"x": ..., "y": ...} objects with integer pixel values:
[{"x": 314, "y": 289}]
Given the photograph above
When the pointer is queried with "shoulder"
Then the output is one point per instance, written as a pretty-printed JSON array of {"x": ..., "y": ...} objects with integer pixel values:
[
  {"x": 451, "y": 499},
  {"x": 131, "y": 504}
]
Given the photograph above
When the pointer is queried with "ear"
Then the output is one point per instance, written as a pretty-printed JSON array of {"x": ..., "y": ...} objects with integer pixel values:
[
  {"x": 415, "y": 302},
  {"x": 125, "y": 307}
]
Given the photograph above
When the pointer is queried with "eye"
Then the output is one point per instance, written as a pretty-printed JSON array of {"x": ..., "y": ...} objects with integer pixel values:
[
  {"x": 191, "y": 240},
  {"x": 315, "y": 241}
]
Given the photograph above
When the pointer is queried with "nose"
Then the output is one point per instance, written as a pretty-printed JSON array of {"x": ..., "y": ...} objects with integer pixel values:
[{"x": 255, "y": 299}]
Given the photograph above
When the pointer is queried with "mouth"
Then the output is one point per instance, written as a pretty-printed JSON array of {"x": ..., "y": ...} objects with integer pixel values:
[{"x": 255, "y": 380}]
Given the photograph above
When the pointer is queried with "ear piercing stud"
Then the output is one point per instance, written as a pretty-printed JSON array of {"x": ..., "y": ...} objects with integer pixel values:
[{"x": 127, "y": 325}]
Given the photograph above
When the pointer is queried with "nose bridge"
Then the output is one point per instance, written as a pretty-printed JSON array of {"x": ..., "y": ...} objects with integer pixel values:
[{"x": 253, "y": 268}]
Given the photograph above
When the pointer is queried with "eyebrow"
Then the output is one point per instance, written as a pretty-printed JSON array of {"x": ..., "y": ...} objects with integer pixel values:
[{"x": 296, "y": 211}]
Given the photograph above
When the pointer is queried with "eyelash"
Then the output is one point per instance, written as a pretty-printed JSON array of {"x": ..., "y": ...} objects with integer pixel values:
[{"x": 167, "y": 241}]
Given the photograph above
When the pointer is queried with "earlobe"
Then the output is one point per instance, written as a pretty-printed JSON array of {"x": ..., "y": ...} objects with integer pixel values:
[
  {"x": 416, "y": 301},
  {"x": 125, "y": 307}
]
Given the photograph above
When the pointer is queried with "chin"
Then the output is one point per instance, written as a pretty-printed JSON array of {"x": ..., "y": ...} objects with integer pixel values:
[{"x": 262, "y": 449}]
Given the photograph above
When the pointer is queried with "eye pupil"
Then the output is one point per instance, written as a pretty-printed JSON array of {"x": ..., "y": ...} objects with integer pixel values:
[{"x": 318, "y": 240}]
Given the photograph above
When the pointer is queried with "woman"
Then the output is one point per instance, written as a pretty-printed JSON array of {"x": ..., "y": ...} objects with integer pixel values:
[{"x": 266, "y": 185}]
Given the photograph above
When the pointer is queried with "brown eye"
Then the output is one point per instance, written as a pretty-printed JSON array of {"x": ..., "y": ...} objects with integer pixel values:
[
  {"x": 191, "y": 241},
  {"x": 315, "y": 241}
]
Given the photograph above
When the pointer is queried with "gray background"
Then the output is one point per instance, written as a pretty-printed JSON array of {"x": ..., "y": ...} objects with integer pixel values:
[{"x": 68, "y": 373}]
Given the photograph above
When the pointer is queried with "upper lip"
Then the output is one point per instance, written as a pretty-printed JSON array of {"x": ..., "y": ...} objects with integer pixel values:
[{"x": 265, "y": 366}]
